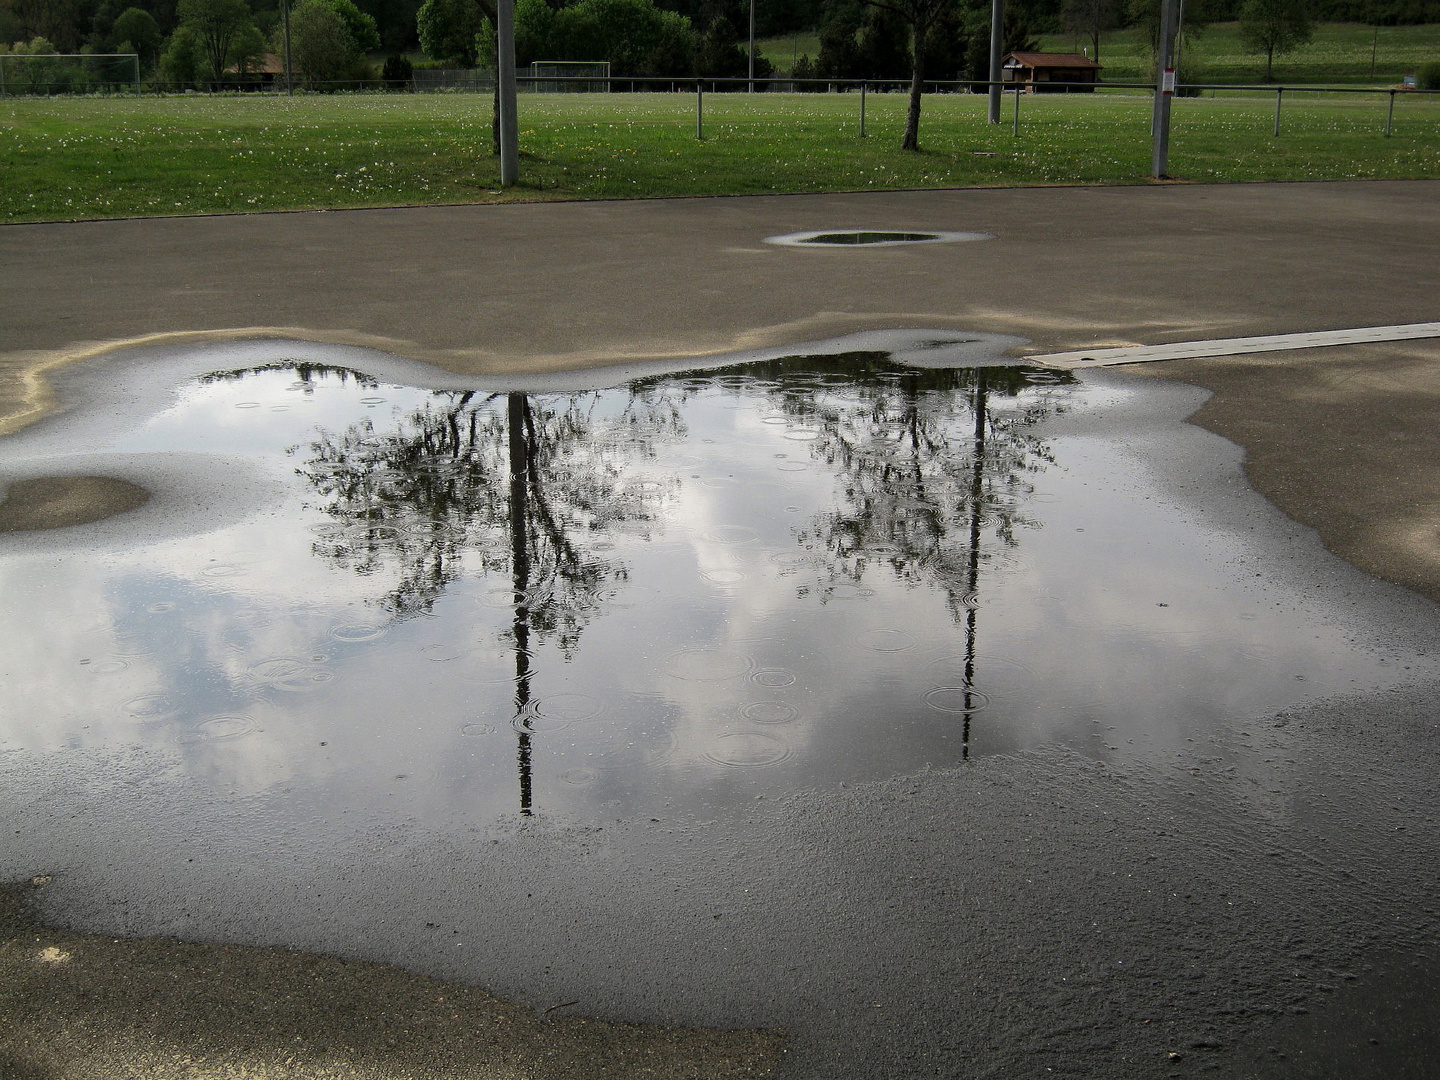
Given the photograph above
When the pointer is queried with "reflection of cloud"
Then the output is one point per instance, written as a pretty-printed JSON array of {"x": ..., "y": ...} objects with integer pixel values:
[{"x": 269, "y": 672}]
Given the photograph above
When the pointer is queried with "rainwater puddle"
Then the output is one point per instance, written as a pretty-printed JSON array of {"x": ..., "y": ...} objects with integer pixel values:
[{"x": 679, "y": 594}]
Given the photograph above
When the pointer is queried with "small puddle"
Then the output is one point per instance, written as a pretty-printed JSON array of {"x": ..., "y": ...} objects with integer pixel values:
[
  {"x": 871, "y": 237},
  {"x": 681, "y": 593}
]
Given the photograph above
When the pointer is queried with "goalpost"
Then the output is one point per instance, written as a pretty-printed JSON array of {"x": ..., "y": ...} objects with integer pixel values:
[
  {"x": 571, "y": 76},
  {"x": 67, "y": 73}
]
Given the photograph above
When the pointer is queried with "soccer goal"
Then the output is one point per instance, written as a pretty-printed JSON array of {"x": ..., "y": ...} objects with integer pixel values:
[
  {"x": 69, "y": 73},
  {"x": 570, "y": 76}
]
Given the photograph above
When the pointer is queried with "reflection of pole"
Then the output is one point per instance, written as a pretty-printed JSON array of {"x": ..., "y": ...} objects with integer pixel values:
[
  {"x": 972, "y": 584},
  {"x": 520, "y": 573}
]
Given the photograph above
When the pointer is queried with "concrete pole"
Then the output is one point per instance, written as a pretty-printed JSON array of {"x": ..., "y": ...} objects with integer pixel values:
[
  {"x": 752, "y": 46},
  {"x": 997, "y": 40},
  {"x": 1164, "y": 89},
  {"x": 289, "y": 78},
  {"x": 505, "y": 73}
]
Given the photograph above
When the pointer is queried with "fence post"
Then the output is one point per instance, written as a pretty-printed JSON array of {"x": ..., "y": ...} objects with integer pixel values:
[
  {"x": 699, "y": 110},
  {"x": 137, "y": 74},
  {"x": 1279, "y": 90},
  {"x": 1390, "y": 116},
  {"x": 862, "y": 109},
  {"x": 4, "y": 94},
  {"x": 1016, "y": 130}
]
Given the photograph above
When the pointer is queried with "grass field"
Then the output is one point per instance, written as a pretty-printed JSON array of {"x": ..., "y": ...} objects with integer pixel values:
[
  {"x": 1339, "y": 54},
  {"x": 68, "y": 158}
]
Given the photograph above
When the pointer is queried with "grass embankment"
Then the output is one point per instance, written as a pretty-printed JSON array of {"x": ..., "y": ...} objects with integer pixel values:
[
  {"x": 66, "y": 158},
  {"x": 1338, "y": 55}
]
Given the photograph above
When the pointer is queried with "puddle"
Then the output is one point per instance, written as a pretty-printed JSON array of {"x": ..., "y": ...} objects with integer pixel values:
[
  {"x": 676, "y": 595},
  {"x": 871, "y": 238}
]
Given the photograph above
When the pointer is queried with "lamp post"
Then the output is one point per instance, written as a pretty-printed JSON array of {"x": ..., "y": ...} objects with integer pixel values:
[
  {"x": 1164, "y": 89},
  {"x": 752, "y": 46},
  {"x": 997, "y": 38},
  {"x": 505, "y": 74},
  {"x": 289, "y": 84}
]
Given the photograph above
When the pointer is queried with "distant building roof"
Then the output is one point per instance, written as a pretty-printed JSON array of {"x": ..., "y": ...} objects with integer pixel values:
[{"x": 1053, "y": 60}]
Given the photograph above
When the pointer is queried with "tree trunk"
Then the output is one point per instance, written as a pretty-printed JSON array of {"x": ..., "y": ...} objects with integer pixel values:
[
  {"x": 495, "y": 115},
  {"x": 917, "y": 82}
]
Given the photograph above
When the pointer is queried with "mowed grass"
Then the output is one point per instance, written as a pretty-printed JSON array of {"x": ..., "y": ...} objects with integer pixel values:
[
  {"x": 69, "y": 158},
  {"x": 1339, "y": 54}
]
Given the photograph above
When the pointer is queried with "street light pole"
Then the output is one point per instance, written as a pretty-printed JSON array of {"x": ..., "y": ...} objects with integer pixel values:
[
  {"x": 997, "y": 39},
  {"x": 752, "y": 46},
  {"x": 1164, "y": 89},
  {"x": 505, "y": 74},
  {"x": 289, "y": 83}
]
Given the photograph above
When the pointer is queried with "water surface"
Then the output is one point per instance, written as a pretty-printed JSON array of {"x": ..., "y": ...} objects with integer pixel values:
[{"x": 683, "y": 593}]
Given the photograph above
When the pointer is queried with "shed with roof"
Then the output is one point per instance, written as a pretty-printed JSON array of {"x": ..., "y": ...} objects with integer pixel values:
[{"x": 1034, "y": 70}]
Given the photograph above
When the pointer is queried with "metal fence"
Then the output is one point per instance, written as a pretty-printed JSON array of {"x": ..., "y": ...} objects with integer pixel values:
[
  {"x": 45, "y": 74},
  {"x": 20, "y": 74}
]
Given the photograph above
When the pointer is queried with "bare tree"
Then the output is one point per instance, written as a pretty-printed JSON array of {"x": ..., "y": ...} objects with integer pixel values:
[{"x": 1089, "y": 18}]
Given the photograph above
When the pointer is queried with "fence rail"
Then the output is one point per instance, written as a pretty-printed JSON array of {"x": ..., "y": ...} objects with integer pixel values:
[{"x": 483, "y": 81}]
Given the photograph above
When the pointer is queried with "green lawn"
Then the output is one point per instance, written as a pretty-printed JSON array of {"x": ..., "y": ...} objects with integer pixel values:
[
  {"x": 1338, "y": 55},
  {"x": 64, "y": 158}
]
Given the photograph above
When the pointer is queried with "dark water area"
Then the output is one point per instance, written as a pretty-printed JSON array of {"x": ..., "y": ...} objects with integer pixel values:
[{"x": 688, "y": 592}]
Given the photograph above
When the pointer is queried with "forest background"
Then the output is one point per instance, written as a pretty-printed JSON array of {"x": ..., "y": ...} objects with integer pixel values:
[{"x": 357, "y": 43}]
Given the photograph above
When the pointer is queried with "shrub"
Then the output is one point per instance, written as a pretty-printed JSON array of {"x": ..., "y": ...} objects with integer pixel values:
[
  {"x": 1429, "y": 77},
  {"x": 397, "y": 72}
]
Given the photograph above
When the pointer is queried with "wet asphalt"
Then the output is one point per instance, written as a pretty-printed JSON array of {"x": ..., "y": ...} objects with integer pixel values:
[{"x": 1261, "y": 904}]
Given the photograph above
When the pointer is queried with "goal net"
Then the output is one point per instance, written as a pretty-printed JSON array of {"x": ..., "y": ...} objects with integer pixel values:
[{"x": 570, "y": 76}]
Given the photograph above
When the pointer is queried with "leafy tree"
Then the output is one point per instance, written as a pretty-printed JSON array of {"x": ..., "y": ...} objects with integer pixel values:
[
  {"x": 183, "y": 61},
  {"x": 447, "y": 30},
  {"x": 920, "y": 16},
  {"x": 329, "y": 39},
  {"x": 361, "y": 26},
  {"x": 57, "y": 21},
  {"x": 635, "y": 36},
  {"x": 218, "y": 25},
  {"x": 1274, "y": 26},
  {"x": 721, "y": 56},
  {"x": 137, "y": 28},
  {"x": 397, "y": 72},
  {"x": 37, "y": 75},
  {"x": 872, "y": 43},
  {"x": 320, "y": 43},
  {"x": 10, "y": 29},
  {"x": 534, "y": 33}
]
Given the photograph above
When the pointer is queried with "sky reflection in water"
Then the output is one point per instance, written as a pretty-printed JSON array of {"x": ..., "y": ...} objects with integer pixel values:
[{"x": 686, "y": 592}]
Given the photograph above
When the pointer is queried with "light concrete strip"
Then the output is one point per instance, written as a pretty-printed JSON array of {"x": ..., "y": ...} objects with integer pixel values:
[{"x": 1185, "y": 350}]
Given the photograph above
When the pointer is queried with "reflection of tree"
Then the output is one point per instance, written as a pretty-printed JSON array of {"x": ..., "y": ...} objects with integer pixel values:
[
  {"x": 433, "y": 495},
  {"x": 933, "y": 469},
  {"x": 487, "y": 483}
]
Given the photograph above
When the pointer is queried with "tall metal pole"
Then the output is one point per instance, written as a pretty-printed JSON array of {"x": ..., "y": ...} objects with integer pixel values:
[
  {"x": 505, "y": 74},
  {"x": 1164, "y": 89},
  {"x": 997, "y": 40},
  {"x": 752, "y": 46},
  {"x": 289, "y": 81}
]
